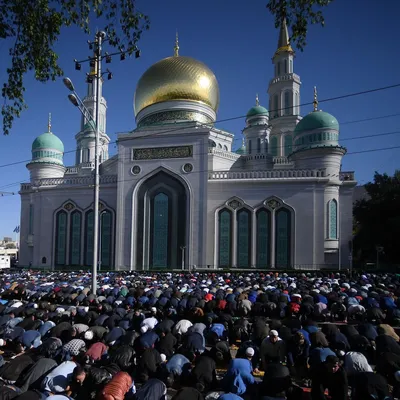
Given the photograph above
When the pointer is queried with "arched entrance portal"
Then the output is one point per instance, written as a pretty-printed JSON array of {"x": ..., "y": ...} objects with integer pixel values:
[{"x": 161, "y": 225}]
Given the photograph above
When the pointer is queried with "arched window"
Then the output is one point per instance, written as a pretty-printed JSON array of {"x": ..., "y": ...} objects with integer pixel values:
[
  {"x": 225, "y": 147},
  {"x": 249, "y": 150},
  {"x": 211, "y": 143},
  {"x": 285, "y": 63},
  {"x": 61, "y": 238},
  {"x": 282, "y": 238},
  {"x": 89, "y": 238},
  {"x": 88, "y": 155},
  {"x": 290, "y": 65},
  {"x": 105, "y": 239},
  {"x": 263, "y": 232},
  {"x": 288, "y": 144},
  {"x": 287, "y": 103},
  {"x": 160, "y": 252},
  {"x": 224, "y": 238},
  {"x": 258, "y": 145},
  {"x": 75, "y": 238},
  {"x": 266, "y": 146},
  {"x": 44, "y": 260},
  {"x": 219, "y": 145},
  {"x": 243, "y": 220},
  {"x": 276, "y": 106},
  {"x": 274, "y": 146},
  {"x": 297, "y": 104},
  {"x": 333, "y": 218},
  {"x": 279, "y": 68}
]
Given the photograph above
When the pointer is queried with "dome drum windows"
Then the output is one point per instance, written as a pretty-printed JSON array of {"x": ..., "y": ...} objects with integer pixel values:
[{"x": 260, "y": 238}]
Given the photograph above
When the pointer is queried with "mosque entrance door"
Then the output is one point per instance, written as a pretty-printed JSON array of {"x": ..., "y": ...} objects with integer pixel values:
[{"x": 162, "y": 209}]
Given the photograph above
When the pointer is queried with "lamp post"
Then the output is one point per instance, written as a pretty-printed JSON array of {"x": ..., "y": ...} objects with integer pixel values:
[
  {"x": 96, "y": 76},
  {"x": 100, "y": 239},
  {"x": 183, "y": 257}
]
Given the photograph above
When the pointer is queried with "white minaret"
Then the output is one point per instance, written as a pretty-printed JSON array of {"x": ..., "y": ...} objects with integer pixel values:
[
  {"x": 284, "y": 96},
  {"x": 85, "y": 139}
]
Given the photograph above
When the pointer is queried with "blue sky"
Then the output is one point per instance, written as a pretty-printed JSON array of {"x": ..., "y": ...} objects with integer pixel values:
[{"x": 355, "y": 51}]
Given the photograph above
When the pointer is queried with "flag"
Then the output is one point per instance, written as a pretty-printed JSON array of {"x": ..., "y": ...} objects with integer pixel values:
[{"x": 16, "y": 230}]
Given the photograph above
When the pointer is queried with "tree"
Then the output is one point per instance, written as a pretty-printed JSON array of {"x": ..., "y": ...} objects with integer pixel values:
[
  {"x": 33, "y": 27},
  {"x": 377, "y": 220},
  {"x": 299, "y": 15}
]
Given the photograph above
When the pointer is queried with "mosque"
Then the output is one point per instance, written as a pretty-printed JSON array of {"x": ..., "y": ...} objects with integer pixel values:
[{"x": 177, "y": 195}]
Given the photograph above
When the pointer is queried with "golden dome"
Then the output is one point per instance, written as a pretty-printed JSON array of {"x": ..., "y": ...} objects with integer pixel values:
[{"x": 177, "y": 78}]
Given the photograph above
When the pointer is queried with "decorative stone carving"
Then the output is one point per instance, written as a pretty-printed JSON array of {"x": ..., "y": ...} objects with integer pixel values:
[
  {"x": 273, "y": 204},
  {"x": 235, "y": 204},
  {"x": 69, "y": 206},
  {"x": 136, "y": 170},
  {"x": 158, "y": 153},
  {"x": 166, "y": 116},
  {"x": 187, "y": 168}
]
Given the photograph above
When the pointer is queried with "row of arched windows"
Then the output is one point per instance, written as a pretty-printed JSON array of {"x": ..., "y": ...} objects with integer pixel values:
[
  {"x": 284, "y": 67},
  {"x": 271, "y": 238},
  {"x": 211, "y": 143},
  {"x": 47, "y": 153},
  {"x": 74, "y": 238},
  {"x": 290, "y": 104}
]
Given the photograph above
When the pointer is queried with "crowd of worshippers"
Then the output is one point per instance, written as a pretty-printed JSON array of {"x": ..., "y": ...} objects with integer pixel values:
[{"x": 193, "y": 336}]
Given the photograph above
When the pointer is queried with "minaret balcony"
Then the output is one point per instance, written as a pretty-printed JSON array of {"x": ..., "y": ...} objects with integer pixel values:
[{"x": 286, "y": 77}]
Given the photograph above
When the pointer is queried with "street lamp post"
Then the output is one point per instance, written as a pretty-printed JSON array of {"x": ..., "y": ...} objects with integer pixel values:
[
  {"x": 183, "y": 257},
  {"x": 96, "y": 76}
]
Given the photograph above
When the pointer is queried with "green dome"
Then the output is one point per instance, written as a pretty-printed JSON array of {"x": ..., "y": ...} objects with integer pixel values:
[
  {"x": 48, "y": 141},
  {"x": 257, "y": 110},
  {"x": 317, "y": 120},
  {"x": 241, "y": 149}
]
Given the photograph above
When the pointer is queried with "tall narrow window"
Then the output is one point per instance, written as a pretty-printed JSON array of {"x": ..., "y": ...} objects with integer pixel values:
[
  {"x": 224, "y": 238},
  {"x": 333, "y": 234},
  {"x": 160, "y": 234},
  {"x": 243, "y": 220},
  {"x": 249, "y": 151},
  {"x": 282, "y": 238},
  {"x": 296, "y": 109},
  {"x": 279, "y": 68},
  {"x": 288, "y": 144},
  {"x": 263, "y": 218},
  {"x": 287, "y": 103},
  {"x": 30, "y": 219},
  {"x": 285, "y": 63},
  {"x": 89, "y": 238},
  {"x": 75, "y": 238},
  {"x": 266, "y": 146},
  {"x": 61, "y": 238},
  {"x": 105, "y": 239},
  {"x": 290, "y": 65},
  {"x": 276, "y": 111},
  {"x": 258, "y": 145},
  {"x": 274, "y": 146}
]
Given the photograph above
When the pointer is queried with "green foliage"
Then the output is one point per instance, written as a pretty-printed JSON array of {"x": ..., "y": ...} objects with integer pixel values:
[
  {"x": 377, "y": 219},
  {"x": 33, "y": 27},
  {"x": 299, "y": 14}
]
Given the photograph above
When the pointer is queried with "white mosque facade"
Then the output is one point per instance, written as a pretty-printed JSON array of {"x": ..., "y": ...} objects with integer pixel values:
[{"x": 176, "y": 195}]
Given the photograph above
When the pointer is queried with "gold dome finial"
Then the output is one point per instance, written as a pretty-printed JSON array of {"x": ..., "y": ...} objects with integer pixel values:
[
  {"x": 49, "y": 124},
  {"x": 176, "y": 48},
  {"x": 257, "y": 100},
  {"x": 315, "y": 102}
]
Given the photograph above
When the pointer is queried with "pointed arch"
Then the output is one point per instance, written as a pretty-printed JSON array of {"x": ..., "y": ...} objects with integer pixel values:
[
  {"x": 61, "y": 238},
  {"x": 180, "y": 199},
  {"x": 332, "y": 219},
  {"x": 75, "y": 237},
  {"x": 283, "y": 235},
  {"x": 243, "y": 247},
  {"x": 225, "y": 235},
  {"x": 263, "y": 237}
]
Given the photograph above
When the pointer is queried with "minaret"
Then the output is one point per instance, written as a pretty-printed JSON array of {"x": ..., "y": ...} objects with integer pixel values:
[
  {"x": 85, "y": 139},
  {"x": 284, "y": 96}
]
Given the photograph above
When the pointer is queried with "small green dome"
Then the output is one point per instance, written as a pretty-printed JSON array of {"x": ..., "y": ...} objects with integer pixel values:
[
  {"x": 317, "y": 120},
  {"x": 257, "y": 110},
  {"x": 48, "y": 141}
]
